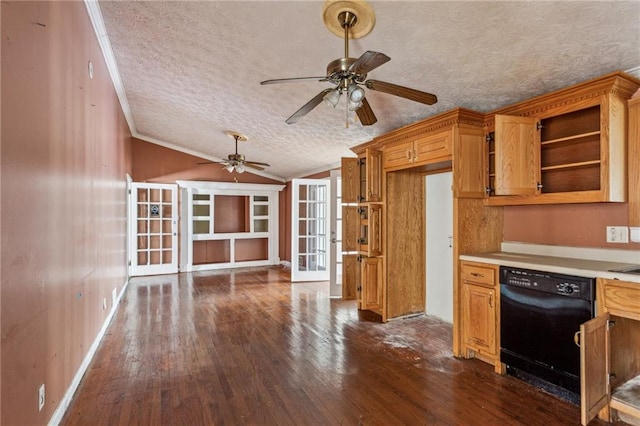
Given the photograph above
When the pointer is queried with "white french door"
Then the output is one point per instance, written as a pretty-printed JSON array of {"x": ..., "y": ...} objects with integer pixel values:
[
  {"x": 153, "y": 226},
  {"x": 310, "y": 246}
]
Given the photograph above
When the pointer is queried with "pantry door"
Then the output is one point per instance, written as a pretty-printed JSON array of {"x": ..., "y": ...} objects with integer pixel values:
[
  {"x": 310, "y": 247},
  {"x": 153, "y": 226}
]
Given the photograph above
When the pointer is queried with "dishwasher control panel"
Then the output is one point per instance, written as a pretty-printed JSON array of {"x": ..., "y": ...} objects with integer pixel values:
[{"x": 547, "y": 282}]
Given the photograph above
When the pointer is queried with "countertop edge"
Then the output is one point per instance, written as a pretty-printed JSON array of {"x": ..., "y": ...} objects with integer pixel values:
[{"x": 600, "y": 269}]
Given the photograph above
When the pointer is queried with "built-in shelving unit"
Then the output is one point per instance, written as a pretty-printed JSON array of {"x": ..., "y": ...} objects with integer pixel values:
[{"x": 228, "y": 225}]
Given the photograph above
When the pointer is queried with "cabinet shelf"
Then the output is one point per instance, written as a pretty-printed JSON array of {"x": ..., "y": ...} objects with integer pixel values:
[
  {"x": 572, "y": 165},
  {"x": 571, "y": 138}
]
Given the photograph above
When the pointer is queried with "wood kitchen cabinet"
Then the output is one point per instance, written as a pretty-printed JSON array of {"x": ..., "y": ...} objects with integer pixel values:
[
  {"x": 568, "y": 146},
  {"x": 370, "y": 237},
  {"x": 479, "y": 299},
  {"x": 424, "y": 149},
  {"x": 362, "y": 228},
  {"x": 453, "y": 141},
  {"x": 610, "y": 354},
  {"x": 372, "y": 290}
]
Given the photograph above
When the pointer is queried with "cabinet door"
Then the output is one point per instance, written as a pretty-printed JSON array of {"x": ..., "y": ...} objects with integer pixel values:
[
  {"x": 375, "y": 230},
  {"x": 594, "y": 367},
  {"x": 350, "y": 276},
  {"x": 517, "y": 155},
  {"x": 479, "y": 318},
  {"x": 374, "y": 175},
  {"x": 350, "y": 228},
  {"x": 350, "y": 180},
  {"x": 371, "y": 283},
  {"x": 469, "y": 163},
  {"x": 433, "y": 148},
  {"x": 398, "y": 156}
]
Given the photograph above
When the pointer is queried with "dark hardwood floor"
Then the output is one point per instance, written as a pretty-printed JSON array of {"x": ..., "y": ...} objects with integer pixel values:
[{"x": 247, "y": 347}]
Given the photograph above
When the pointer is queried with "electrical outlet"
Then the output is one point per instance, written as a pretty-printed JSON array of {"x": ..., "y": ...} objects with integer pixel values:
[
  {"x": 41, "y": 398},
  {"x": 104, "y": 303},
  {"x": 617, "y": 234}
]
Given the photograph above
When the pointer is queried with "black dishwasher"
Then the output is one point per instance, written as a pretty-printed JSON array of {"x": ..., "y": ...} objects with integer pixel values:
[{"x": 539, "y": 314}]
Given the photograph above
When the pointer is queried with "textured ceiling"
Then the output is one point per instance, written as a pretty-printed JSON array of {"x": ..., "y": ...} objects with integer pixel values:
[{"x": 191, "y": 70}]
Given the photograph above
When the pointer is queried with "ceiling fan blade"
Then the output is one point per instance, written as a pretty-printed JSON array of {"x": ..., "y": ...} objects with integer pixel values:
[
  {"x": 213, "y": 162},
  {"x": 306, "y": 108},
  {"x": 368, "y": 61},
  {"x": 365, "y": 114},
  {"x": 403, "y": 92},
  {"x": 292, "y": 80},
  {"x": 253, "y": 165},
  {"x": 257, "y": 163}
]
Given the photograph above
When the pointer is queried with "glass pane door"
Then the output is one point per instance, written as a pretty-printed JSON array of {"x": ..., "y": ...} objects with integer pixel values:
[
  {"x": 310, "y": 230},
  {"x": 153, "y": 227}
]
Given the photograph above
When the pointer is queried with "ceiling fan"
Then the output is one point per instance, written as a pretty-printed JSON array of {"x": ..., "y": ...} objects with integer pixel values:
[
  {"x": 349, "y": 74},
  {"x": 237, "y": 161}
]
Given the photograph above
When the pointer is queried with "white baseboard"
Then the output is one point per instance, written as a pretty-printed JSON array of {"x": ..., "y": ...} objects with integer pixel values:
[
  {"x": 57, "y": 416},
  {"x": 286, "y": 264}
]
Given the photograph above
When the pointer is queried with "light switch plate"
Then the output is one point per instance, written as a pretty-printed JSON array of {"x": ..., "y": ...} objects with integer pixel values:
[{"x": 634, "y": 234}]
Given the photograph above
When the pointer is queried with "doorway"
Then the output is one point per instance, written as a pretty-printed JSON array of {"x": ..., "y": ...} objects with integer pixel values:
[{"x": 439, "y": 247}]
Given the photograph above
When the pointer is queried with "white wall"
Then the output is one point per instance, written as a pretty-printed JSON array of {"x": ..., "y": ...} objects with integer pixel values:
[{"x": 439, "y": 261}]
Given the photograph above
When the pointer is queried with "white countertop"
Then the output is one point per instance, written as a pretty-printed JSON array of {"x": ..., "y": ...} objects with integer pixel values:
[{"x": 583, "y": 267}]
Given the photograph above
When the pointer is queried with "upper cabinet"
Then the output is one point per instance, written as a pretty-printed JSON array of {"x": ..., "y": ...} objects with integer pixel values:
[{"x": 568, "y": 146}]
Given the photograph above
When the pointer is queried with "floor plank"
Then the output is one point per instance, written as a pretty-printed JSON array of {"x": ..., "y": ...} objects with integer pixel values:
[{"x": 240, "y": 347}]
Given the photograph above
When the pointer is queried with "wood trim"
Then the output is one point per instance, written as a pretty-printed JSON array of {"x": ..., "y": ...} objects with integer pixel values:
[{"x": 634, "y": 165}]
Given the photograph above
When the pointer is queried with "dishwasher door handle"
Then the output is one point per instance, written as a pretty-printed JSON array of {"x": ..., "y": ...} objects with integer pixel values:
[{"x": 576, "y": 338}]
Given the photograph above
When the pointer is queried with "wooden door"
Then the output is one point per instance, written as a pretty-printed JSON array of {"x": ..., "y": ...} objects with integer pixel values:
[
  {"x": 517, "y": 155},
  {"x": 371, "y": 283},
  {"x": 374, "y": 175},
  {"x": 350, "y": 276},
  {"x": 350, "y": 265},
  {"x": 350, "y": 172},
  {"x": 398, "y": 155},
  {"x": 479, "y": 317},
  {"x": 375, "y": 230},
  {"x": 594, "y": 367},
  {"x": 433, "y": 148}
]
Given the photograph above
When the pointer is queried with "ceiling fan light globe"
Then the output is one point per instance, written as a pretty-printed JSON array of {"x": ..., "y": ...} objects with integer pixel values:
[
  {"x": 332, "y": 98},
  {"x": 353, "y": 106},
  {"x": 356, "y": 93},
  {"x": 229, "y": 168},
  {"x": 240, "y": 168}
]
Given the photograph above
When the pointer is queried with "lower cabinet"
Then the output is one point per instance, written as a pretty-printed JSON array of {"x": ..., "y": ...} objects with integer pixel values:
[
  {"x": 479, "y": 297},
  {"x": 610, "y": 355},
  {"x": 371, "y": 282}
]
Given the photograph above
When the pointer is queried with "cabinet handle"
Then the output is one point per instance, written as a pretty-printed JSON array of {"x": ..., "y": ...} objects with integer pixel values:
[
  {"x": 409, "y": 154},
  {"x": 576, "y": 338},
  {"x": 475, "y": 274},
  {"x": 415, "y": 156},
  {"x": 491, "y": 300}
]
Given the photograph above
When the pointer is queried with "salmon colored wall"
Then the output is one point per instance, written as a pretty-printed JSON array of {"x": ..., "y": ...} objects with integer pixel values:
[
  {"x": 65, "y": 156},
  {"x": 574, "y": 225},
  {"x": 155, "y": 163}
]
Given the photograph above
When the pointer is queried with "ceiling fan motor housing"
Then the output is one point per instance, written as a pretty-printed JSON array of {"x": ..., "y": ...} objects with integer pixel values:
[{"x": 338, "y": 71}]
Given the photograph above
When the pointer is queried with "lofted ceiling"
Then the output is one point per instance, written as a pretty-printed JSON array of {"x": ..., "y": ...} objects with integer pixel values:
[{"x": 190, "y": 70}]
